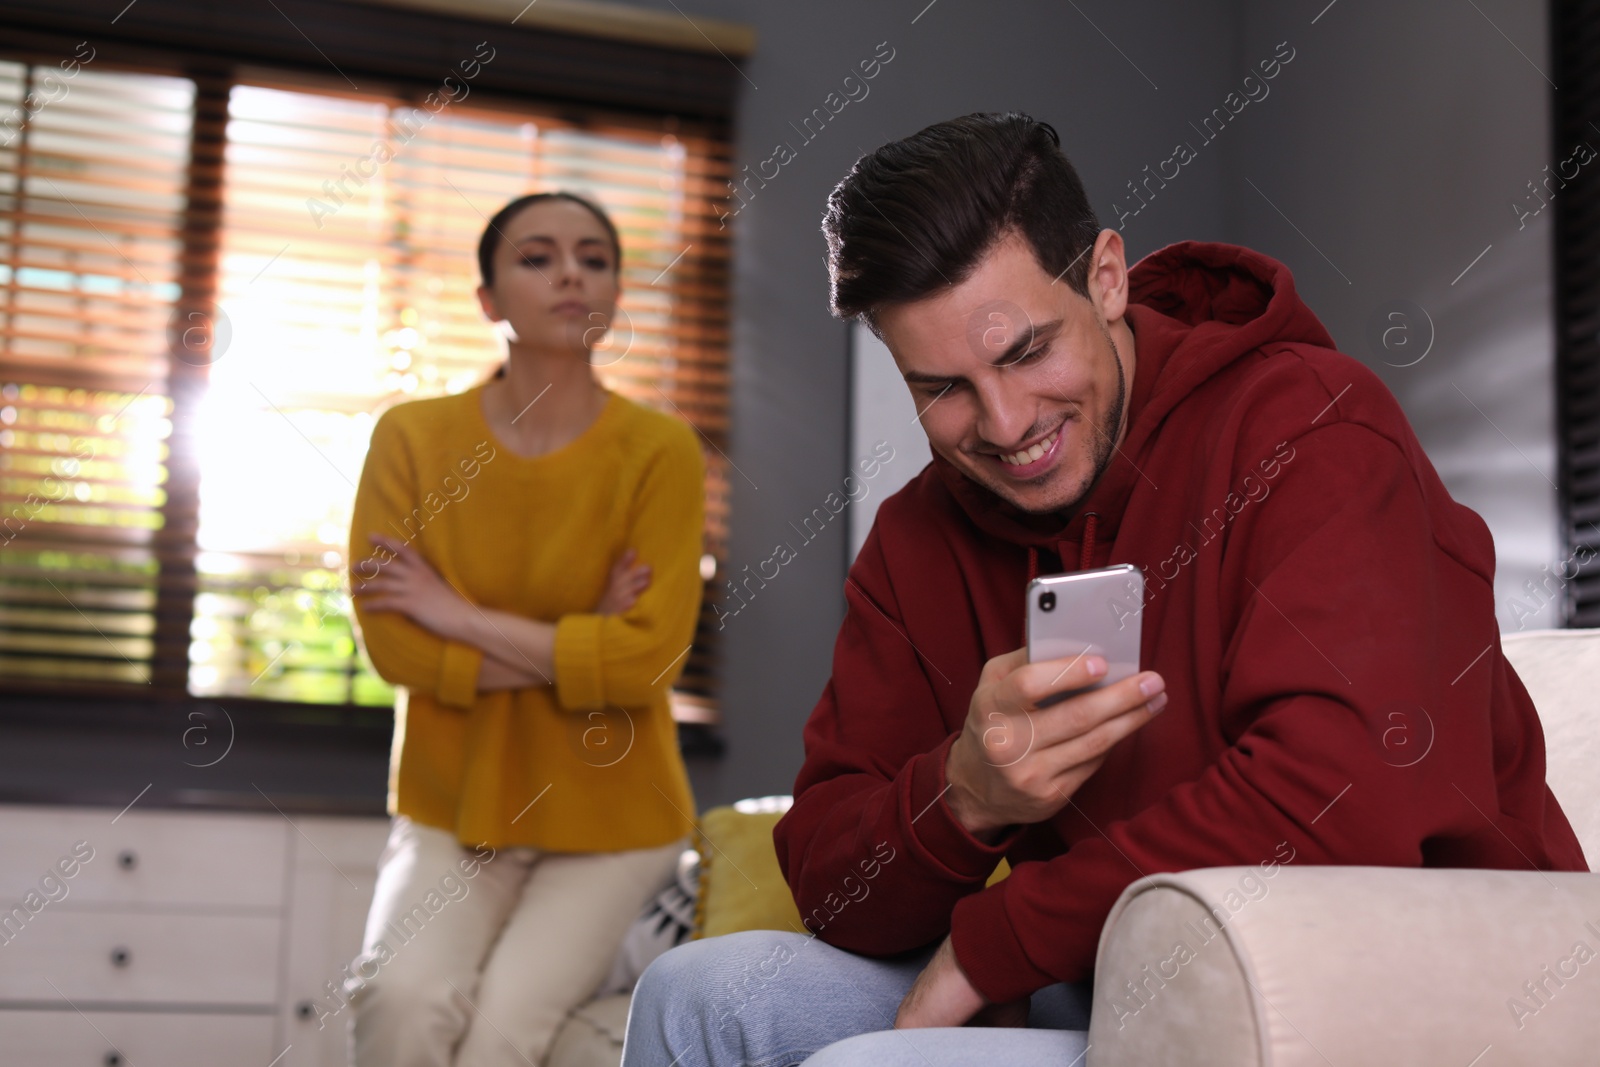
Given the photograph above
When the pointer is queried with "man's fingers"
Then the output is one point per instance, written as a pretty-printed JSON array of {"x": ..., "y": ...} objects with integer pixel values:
[
  {"x": 1092, "y": 745},
  {"x": 1035, "y": 681},
  {"x": 1002, "y": 665},
  {"x": 1012, "y": 1013},
  {"x": 1079, "y": 714}
]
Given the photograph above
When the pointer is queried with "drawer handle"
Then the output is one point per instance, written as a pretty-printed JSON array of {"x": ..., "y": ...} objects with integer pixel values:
[
  {"x": 127, "y": 859},
  {"x": 121, "y": 957},
  {"x": 305, "y": 1010},
  {"x": 113, "y": 1059}
]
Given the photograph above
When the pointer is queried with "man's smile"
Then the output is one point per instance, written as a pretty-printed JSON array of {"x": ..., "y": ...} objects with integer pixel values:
[{"x": 1032, "y": 461}]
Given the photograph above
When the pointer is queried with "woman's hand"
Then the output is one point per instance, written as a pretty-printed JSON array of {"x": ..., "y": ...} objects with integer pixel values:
[
  {"x": 624, "y": 586},
  {"x": 405, "y": 583}
]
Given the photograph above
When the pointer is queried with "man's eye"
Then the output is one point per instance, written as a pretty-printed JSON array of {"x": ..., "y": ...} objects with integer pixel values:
[
  {"x": 535, "y": 261},
  {"x": 598, "y": 264}
]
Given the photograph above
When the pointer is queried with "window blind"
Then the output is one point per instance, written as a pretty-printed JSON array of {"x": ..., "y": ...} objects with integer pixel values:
[
  {"x": 91, "y": 205},
  {"x": 342, "y": 303},
  {"x": 1574, "y": 189},
  {"x": 196, "y": 462}
]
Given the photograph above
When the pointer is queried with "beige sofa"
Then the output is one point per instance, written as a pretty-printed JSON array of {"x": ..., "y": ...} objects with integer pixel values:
[
  {"x": 1346, "y": 966},
  {"x": 1375, "y": 965}
]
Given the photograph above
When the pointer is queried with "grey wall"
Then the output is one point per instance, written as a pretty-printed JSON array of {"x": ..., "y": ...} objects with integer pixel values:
[
  {"x": 791, "y": 367},
  {"x": 1394, "y": 142},
  {"x": 1397, "y": 149}
]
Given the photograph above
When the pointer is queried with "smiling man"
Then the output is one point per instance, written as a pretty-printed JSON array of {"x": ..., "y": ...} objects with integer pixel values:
[
  {"x": 1324, "y": 679},
  {"x": 966, "y": 410}
]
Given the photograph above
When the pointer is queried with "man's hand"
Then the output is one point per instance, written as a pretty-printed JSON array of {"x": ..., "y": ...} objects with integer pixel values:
[
  {"x": 1017, "y": 763},
  {"x": 407, "y": 584},
  {"x": 942, "y": 996},
  {"x": 624, "y": 585}
]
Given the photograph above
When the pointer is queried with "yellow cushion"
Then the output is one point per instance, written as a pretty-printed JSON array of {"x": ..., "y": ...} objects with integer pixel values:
[{"x": 741, "y": 886}]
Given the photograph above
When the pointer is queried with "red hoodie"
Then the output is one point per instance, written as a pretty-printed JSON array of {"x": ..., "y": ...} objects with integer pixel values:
[{"x": 1321, "y": 609}]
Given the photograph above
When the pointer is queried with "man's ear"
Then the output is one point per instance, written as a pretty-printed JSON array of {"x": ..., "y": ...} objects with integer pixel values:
[
  {"x": 1108, "y": 275},
  {"x": 486, "y": 302}
]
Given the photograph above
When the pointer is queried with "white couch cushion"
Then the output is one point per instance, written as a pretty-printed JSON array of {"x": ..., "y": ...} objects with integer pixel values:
[
  {"x": 592, "y": 1034},
  {"x": 1561, "y": 670}
]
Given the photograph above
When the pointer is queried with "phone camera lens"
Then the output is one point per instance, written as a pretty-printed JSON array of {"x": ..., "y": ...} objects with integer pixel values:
[{"x": 1047, "y": 602}]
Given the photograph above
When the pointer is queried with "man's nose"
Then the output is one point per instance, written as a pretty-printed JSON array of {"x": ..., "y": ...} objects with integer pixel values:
[{"x": 1004, "y": 421}]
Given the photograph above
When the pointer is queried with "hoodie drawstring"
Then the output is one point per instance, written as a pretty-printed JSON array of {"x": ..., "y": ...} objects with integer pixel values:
[{"x": 1086, "y": 556}]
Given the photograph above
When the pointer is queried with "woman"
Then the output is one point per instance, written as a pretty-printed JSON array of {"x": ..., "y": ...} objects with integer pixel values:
[{"x": 537, "y": 792}]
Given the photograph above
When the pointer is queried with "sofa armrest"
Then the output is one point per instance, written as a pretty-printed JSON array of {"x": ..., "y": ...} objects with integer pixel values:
[{"x": 1301, "y": 966}]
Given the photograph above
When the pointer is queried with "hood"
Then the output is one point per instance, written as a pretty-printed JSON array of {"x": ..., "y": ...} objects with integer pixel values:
[{"x": 1194, "y": 308}]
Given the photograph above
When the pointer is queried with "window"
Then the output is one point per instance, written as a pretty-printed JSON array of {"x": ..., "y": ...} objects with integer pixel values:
[{"x": 189, "y": 381}]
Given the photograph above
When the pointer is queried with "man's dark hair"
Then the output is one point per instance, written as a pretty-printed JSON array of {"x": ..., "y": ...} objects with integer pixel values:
[
  {"x": 917, "y": 214},
  {"x": 493, "y": 232}
]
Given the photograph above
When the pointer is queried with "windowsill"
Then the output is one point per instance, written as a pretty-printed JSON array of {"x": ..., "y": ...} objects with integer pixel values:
[
  {"x": 296, "y": 759},
  {"x": 178, "y": 755}
]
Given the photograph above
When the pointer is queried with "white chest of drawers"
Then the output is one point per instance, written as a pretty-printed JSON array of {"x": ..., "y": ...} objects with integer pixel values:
[{"x": 186, "y": 938}]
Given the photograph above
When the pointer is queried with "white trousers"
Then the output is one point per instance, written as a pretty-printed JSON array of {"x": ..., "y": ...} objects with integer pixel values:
[{"x": 473, "y": 958}]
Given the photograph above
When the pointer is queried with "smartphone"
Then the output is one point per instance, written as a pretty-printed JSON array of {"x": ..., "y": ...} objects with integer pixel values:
[{"x": 1095, "y": 612}]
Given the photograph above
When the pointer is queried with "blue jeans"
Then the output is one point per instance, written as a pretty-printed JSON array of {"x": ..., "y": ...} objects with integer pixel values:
[{"x": 767, "y": 998}]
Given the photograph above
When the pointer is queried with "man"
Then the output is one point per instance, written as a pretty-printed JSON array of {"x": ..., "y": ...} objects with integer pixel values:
[{"x": 1325, "y": 681}]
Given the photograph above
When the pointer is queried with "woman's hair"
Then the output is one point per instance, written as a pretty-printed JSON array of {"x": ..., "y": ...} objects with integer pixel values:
[
  {"x": 492, "y": 232},
  {"x": 917, "y": 214}
]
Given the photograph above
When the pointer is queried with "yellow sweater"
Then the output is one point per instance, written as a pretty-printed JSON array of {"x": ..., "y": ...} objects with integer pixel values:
[{"x": 590, "y": 763}]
